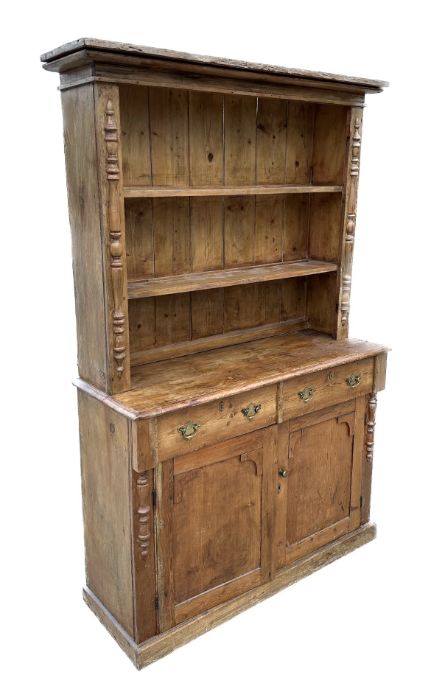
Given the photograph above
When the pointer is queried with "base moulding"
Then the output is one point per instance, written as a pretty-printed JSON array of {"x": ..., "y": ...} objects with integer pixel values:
[{"x": 162, "y": 644}]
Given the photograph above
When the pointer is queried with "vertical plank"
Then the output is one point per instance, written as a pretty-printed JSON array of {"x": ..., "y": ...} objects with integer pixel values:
[
  {"x": 139, "y": 238},
  {"x": 206, "y": 313},
  {"x": 269, "y": 228},
  {"x": 240, "y": 140},
  {"x": 247, "y": 306},
  {"x": 293, "y": 299},
  {"x": 172, "y": 319},
  {"x": 329, "y": 151},
  {"x": 206, "y": 233},
  {"x": 325, "y": 227},
  {"x": 171, "y": 231},
  {"x": 135, "y": 135},
  {"x": 269, "y": 301},
  {"x": 300, "y": 124},
  {"x": 206, "y": 138},
  {"x": 239, "y": 231},
  {"x": 296, "y": 225},
  {"x": 322, "y": 300},
  {"x": 271, "y": 141},
  {"x": 242, "y": 308},
  {"x": 164, "y": 480},
  {"x": 169, "y": 136},
  {"x": 142, "y": 322}
]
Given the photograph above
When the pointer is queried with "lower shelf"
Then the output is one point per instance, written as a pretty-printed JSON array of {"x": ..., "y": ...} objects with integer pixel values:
[{"x": 160, "y": 645}]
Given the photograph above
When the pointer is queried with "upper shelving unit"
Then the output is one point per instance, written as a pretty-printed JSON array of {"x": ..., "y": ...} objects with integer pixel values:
[
  {"x": 194, "y": 281},
  {"x": 220, "y": 191}
]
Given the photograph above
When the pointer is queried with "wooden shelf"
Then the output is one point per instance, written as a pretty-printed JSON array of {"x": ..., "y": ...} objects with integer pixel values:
[
  {"x": 139, "y": 192},
  {"x": 195, "y": 281}
]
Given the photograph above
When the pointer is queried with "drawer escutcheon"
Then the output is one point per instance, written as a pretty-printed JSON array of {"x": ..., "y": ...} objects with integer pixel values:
[
  {"x": 189, "y": 430},
  {"x": 251, "y": 410},
  {"x": 353, "y": 380},
  {"x": 306, "y": 394}
]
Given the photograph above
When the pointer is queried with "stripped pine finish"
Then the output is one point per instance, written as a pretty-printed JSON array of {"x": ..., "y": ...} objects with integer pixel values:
[{"x": 226, "y": 419}]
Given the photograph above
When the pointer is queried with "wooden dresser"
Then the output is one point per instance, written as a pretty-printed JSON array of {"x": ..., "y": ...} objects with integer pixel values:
[{"x": 226, "y": 418}]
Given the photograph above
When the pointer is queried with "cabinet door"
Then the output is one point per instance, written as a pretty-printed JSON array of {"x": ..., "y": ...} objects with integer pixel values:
[
  {"x": 318, "y": 499},
  {"x": 214, "y": 525}
]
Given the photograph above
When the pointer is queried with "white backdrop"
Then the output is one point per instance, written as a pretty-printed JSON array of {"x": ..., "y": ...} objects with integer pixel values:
[{"x": 359, "y": 628}]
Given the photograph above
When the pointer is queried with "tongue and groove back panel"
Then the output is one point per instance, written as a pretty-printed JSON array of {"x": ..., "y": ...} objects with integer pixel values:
[
  {"x": 180, "y": 138},
  {"x": 176, "y": 138}
]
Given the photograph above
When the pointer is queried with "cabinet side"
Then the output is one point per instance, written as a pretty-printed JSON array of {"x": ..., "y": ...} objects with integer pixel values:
[
  {"x": 83, "y": 194},
  {"x": 104, "y": 438}
]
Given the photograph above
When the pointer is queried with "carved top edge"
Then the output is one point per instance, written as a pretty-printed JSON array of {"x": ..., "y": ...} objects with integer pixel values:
[{"x": 364, "y": 84}]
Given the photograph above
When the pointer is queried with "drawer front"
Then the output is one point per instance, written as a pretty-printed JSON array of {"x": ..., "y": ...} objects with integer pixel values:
[
  {"x": 198, "y": 426},
  {"x": 326, "y": 388}
]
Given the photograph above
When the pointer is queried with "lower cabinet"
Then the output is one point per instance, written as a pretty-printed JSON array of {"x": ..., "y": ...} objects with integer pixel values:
[
  {"x": 320, "y": 473},
  {"x": 234, "y": 513},
  {"x": 215, "y": 512}
]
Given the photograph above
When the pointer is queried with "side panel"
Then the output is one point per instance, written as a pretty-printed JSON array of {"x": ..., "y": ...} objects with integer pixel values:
[
  {"x": 106, "y": 505},
  {"x": 82, "y": 186}
]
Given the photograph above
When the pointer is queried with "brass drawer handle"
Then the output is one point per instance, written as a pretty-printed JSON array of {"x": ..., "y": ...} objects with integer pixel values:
[
  {"x": 306, "y": 394},
  {"x": 251, "y": 410},
  {"x": 189, "y": 430},
  {"x": 353, "y": 380},
  {"x": 282, "y": 472}
]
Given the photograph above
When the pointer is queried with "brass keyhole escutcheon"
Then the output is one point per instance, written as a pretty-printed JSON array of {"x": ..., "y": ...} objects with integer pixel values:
[
  {"x": 251, "y": 410},
  {"x": 189, "y": 430},
  {"x": 353, "y": 380},
  {"x": 306, "y": 394}
]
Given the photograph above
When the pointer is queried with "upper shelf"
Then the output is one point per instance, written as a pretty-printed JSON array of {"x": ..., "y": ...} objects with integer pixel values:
[
  {"x": 227, "y": 190},
  {"x": 195, "y": 281}
]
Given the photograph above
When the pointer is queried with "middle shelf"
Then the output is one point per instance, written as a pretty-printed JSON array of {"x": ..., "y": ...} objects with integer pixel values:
[
  {"x": 139, "y": 192},
  {"x": 212, "y": 279}
]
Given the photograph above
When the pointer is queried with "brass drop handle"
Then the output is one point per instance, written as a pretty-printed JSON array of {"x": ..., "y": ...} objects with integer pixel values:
[
  {"x": 353, "y": 380},
  {"x": 251, "y": 410},
  {"x": 306, "y": 394},
  {"x": 282, "y": 473},
  {"x": 189, "y": 430}
]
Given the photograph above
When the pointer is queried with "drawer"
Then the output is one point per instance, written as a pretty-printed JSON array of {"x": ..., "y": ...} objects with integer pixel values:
[
  {"x": 195, "y": 427},
  {"x": 326, "y": 388}
]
